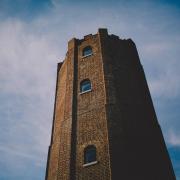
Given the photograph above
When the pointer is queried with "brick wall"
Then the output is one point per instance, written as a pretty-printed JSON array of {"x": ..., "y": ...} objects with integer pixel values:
[
  {"x": 117, "y": 116},
  {"x": 91, "y": 114}
]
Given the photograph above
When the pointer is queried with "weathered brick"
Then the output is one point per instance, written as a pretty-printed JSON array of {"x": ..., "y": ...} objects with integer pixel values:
[{"x": 117, "y": 116}]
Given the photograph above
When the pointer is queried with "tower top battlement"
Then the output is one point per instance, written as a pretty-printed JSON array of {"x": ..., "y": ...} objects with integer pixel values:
[{"x": 103, "y": 32}]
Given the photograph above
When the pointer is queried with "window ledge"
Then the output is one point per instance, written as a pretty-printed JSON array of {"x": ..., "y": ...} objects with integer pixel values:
[
  {"x": 89, "y": 164},
  {"x": 87, "y": 55},
  {"x": 86, "y": 91}
]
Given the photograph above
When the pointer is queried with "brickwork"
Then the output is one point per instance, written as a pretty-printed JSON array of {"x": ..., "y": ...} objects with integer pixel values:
[
  {"x": 116, "y": 116},
  {"x": 61, "y": 142},
  {"x": 137, "y": 147},
  {"x": 91, "y": 114}
]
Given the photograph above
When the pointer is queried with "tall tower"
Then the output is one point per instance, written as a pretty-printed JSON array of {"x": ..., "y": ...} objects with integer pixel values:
[{"x": 105, "y": 126}]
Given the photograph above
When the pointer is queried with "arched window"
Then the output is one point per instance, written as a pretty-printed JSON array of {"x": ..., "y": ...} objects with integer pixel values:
[
  {"x": 89, "y": 154},
  {"x": 87, "y": 51},
  {"x": 85, "y": 85}
]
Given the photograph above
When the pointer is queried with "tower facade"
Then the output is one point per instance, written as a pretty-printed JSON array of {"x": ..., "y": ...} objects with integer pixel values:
[{"x": 105, "y": 126}]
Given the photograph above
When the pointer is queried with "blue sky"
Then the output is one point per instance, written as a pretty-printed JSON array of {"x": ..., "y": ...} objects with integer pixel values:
[{"x": 33, "y": 38}]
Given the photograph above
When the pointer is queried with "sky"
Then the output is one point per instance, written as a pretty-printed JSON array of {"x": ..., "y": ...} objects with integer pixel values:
[{"x": 33, "y": 39}]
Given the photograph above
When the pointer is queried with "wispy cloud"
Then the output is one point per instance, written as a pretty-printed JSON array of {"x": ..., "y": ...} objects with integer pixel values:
[
  {"x": 27, "y": 76},
  {"x": 174, "y": 138}
]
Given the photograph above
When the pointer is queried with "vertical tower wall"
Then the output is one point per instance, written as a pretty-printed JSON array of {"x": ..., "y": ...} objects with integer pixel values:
[
  {"x": 59, "y": 160},
  {"x": 116, "y": 116},
  {"x": 79, "y": 119},
  {"x": 137, "y": 147},
  {"x": 91, "y": 113}
]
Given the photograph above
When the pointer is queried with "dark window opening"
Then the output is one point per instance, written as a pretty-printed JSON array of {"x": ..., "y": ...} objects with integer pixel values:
[
  {"x": 85, "y": 85},
  {"x": 89, "y": 154},
  {"x": 87, "y": 51}
]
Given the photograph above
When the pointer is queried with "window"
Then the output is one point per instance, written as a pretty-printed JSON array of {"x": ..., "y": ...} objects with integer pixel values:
[
  {"x": 90, "y": 154},
  {"x": 87, "y": 51},
  {"x": 85, "y": 85}
]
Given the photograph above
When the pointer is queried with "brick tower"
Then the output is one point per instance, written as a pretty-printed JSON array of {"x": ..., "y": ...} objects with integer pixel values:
[{"x": 105, "y": 126}]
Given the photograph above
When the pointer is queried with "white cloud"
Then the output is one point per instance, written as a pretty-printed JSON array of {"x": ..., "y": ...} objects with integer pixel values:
[
  {"x": 166, "y": 85},
  {"x": 56, "y": 2},
  {"x": 26, "y": 59},
  {"x": 161, "y": 62},
  {"x": 173, "y": 138},
  {"x": 27, "y": 84}
]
